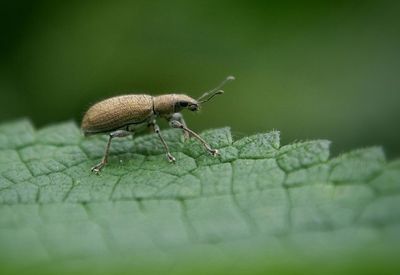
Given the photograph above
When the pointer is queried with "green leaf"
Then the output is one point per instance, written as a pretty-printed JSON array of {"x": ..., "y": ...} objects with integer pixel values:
[{"x": 259, "y": 206}]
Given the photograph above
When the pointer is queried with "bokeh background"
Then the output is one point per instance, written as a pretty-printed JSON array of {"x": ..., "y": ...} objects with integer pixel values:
[{"x": 311, "y": 69}]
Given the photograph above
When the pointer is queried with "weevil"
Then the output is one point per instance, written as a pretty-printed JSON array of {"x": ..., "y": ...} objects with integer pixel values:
[{"x": 125, "y": 115}]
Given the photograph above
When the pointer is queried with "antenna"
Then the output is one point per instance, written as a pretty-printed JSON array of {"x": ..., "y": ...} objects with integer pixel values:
[{"x": 216, "y": 91}]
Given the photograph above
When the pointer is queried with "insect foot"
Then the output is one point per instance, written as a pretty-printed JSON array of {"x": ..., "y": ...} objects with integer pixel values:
[
  {"x": 214, "y": 152},
  {"x": 97, "y": 168},
  {"x": 171, "y": 158}
]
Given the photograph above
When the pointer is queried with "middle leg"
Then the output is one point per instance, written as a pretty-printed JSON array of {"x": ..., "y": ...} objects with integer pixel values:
[{"x": 156, "y": 130}]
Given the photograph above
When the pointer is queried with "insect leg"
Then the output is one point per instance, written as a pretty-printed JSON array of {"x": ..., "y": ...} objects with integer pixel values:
[
  {"x": 156, "y": 130},
  {"x": 119, "y": 133},
  {"x": 177, "y": 124},
  {"x": 179, "y": 117}
]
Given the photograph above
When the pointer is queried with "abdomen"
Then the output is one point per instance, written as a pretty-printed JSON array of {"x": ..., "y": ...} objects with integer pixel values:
[{"x": 117, "y": 112}]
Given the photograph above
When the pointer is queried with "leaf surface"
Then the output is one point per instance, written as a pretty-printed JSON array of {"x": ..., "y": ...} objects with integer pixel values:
[{"x": 259, "y": 205}]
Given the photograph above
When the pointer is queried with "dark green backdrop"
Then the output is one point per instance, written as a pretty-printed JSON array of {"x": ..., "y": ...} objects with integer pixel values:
[{"x": 308, "y": 69}]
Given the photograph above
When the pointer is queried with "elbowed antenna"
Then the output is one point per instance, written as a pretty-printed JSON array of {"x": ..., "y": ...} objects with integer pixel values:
[{"x": 215, "y": 91}]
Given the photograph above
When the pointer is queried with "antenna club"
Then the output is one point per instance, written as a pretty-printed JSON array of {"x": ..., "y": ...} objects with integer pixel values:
[{"x": 215, "y": 91}]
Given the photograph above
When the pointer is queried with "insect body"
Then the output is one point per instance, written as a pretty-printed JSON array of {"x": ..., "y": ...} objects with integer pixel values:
[{"x": 125, "y": 115}]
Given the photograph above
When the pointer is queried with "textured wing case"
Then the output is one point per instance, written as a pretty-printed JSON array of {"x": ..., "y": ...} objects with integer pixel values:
[{"x": 117, "y": 112}]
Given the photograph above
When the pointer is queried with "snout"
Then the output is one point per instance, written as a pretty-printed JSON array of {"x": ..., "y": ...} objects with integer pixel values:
[{"x": 193, "y": 107}]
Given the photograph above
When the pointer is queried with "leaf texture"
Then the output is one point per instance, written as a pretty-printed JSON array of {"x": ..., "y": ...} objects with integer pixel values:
[{"x": 259, "y": 205}]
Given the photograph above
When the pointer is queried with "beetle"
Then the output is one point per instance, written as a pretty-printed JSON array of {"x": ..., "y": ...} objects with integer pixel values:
[{"x": 125, "y": 115}]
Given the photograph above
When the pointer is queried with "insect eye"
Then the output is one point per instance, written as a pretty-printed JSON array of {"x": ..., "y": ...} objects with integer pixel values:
[{"x": 183, "y": 103}]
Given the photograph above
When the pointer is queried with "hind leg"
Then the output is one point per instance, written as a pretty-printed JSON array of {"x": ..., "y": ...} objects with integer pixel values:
[{"x": 119, "y": 133}]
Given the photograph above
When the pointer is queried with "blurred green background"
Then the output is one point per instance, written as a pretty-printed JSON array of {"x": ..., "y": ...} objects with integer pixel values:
[{"x": 309, "y": 69}]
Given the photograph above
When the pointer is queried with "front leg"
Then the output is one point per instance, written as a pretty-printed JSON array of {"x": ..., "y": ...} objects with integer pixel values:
[
  {"x": 179, "y": 117},
  {"x": 156, "y": 130},
  {"x": 177, "y": 124}
]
